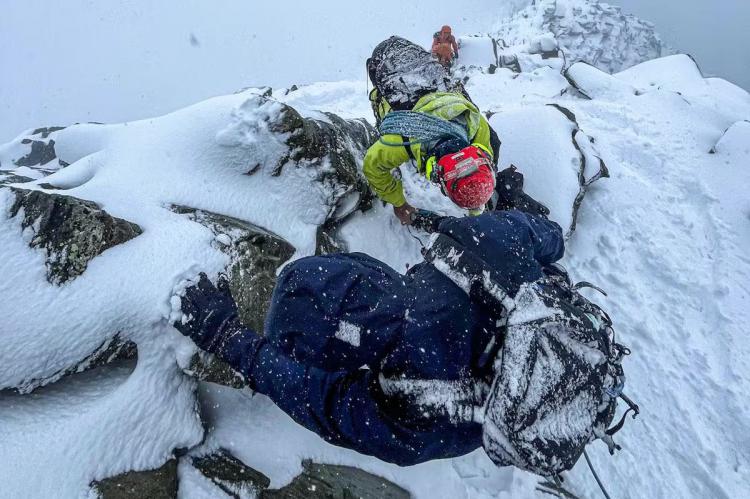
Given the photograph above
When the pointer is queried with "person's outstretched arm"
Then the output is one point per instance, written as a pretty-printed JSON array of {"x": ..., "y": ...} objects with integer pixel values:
[{"x": 341, "y": 406}]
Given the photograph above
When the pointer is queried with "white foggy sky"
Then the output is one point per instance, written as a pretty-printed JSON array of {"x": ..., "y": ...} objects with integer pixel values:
[
  {"x": 117, "y": 60},
  {"x": 715, "y": 32}
]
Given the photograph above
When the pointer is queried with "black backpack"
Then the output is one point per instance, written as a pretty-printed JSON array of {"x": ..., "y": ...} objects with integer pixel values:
[
  {"x": 556, "y": 367},
  {"x": 403, "y": 72}
]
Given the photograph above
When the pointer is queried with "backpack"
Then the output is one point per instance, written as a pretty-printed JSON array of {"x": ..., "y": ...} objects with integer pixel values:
[
  {"x": 555, "y": 365},
  {"x": 403, "y": 72}
]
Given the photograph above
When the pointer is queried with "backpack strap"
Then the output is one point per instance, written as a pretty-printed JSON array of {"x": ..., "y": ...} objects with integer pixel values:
[
  {"x": 470, "y": 273},
  {"x": 408, "y": 148}
]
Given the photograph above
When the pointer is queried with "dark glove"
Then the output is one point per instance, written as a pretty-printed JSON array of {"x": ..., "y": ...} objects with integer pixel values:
[
  {"x": 426, "y": 220},
  {"x": 210, "y": 313},
  {"x": 510, "y": 194},
  {"x": 404, "y": 213}
]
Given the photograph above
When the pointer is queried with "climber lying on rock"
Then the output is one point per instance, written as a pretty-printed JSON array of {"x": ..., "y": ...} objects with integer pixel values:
[{"x": 482, "y": 344}]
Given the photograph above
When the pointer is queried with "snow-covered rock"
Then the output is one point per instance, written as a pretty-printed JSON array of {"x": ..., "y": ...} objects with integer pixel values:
[
  {"x": 71, "y": 232},
  {"x": 558, "y": 33},
  {"x": 108, "y": 221},
  {"x": 268, "y": 175}
]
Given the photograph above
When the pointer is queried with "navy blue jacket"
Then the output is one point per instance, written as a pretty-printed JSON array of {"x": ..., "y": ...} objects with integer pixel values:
[{"x": 383, "y": 363}]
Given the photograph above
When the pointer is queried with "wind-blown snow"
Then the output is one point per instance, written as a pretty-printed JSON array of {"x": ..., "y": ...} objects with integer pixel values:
[{"x": 666, "y": 236}]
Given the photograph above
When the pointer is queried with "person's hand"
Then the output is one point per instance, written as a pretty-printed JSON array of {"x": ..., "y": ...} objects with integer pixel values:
[
  {"x": 405, "y": 213},
  {"x": 427, "y": 221},
  {"x": 207, "y": 311}
]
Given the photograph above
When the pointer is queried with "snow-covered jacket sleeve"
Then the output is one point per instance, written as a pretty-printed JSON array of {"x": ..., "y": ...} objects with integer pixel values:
[
  {"x": 516, "y": 244},
  {"x": 342, "y": 407},
  {"x": 380, "y": 161}
]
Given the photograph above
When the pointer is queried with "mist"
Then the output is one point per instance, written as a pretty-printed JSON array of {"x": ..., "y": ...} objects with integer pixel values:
[
  {"x": 715, "y": 32},
  {"x": 120, "y": 60}
]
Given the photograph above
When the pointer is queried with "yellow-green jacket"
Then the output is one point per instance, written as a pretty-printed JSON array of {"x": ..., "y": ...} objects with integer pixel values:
[{"x": 381, "y": 159}]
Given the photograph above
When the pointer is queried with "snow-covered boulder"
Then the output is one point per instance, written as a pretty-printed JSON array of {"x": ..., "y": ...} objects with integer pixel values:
[
  {"x": 558, "y": 33},
  {"x": 101, "y": 222},
  {"x": 546, "y": 142},
  {"x": 204, "y": 181},
  {"x": 70, "y": 231}
]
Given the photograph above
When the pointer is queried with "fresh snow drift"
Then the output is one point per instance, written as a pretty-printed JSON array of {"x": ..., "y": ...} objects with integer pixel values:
[{"x": 666, "y": 235}]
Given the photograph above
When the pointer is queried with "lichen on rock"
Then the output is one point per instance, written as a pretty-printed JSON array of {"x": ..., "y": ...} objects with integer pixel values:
[
  {"x": 72, "y": 231},
  {"x": 160, "y": 483}
]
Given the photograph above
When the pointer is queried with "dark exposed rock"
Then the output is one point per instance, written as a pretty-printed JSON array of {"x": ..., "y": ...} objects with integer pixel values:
[
  {"x": 255, "y": 255},
  {"x": 230, "y": 474},
  {"x": 8, "y": 177},
  {"x": 510, "y": 62},
  {"x": 317, "y": 481},
  {"x": 41, "y": 153},
  {"x": 46, "y": 131},
  {"x": 72, "y": 231},
  {"x": 207, "y": 367},
  {"x": 160, "y": 483},
  {"x": 41, "y": 149},
  {"x": 584, "y": 145},
  {"x": 253, "y": 169},
  {"x": 328, "y": 481}
]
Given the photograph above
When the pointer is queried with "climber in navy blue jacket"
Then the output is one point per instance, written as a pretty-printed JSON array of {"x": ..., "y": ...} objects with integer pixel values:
[{"x": 370, "y": 359}]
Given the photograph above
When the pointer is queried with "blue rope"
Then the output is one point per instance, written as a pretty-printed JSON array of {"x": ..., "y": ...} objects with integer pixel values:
[{"x": 420, "y": 128}]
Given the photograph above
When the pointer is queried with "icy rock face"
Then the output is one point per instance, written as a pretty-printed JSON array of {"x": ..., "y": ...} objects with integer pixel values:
[
  {"x": 331, "y": 144},
  {"x": 558, "y": 33},
  {"x": 254, "y": 257},
  {"x": 70, "y": 231},
  {"x": 231, "y": 476}
]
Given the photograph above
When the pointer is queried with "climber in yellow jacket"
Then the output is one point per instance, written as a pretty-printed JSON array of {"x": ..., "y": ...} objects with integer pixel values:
[
  {"x": 471, "y": 191},
  {"x": 425, "y": 118}
]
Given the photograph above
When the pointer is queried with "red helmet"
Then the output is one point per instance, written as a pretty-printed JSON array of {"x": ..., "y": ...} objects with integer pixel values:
[
  {"x": 467, "y": 177},
  {"x": 446, "y": 29}
]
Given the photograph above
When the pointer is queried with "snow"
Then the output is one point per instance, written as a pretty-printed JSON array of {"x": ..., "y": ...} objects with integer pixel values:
[
  {"x": 537, "y": 139},
  {"x": 94, "y": 425},
  {"x": 261, "y": 435},
  {"x": 666, "y": 236},
  {"x": 348, "y": 333}
]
